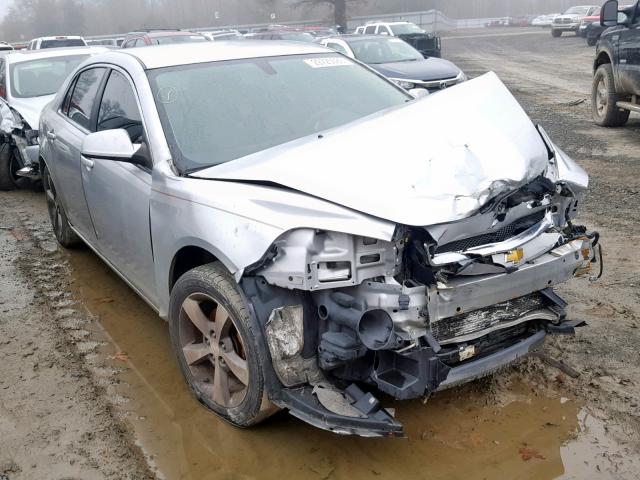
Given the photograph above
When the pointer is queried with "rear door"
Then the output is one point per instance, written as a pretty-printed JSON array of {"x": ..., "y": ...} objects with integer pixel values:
[
  {"x": 65, "y": 133},
  {"x": 118, "y": 192}
]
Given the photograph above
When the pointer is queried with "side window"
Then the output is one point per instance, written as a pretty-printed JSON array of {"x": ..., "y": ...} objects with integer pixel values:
[
  {"x": 337, "y": 47},
  {"x": 3, "y": 80},
  {"x": 384, "y": 30},
  {"x": 84, "y": 95},
  {"x": 119, "y": 108},
  {"x": 371, "y": 29},
  {"x": 140, "y": 43}
]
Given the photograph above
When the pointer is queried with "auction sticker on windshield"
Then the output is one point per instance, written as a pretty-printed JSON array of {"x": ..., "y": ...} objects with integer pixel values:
[{"x": 328, "y": 62}]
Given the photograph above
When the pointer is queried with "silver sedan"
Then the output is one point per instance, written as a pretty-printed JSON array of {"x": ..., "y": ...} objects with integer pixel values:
[{"x": 314, "y": 234}]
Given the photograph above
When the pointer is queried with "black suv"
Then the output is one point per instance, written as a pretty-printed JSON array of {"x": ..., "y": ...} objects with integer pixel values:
[{"x": 616, "y": 80}]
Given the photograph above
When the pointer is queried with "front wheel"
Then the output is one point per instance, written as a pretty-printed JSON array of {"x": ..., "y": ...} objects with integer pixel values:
[
  {"x": 604, "y": 98},
  {"x": 8, "y": 168},
  {"x": 59, "y": 222},
  {"x": 555, "y": 33},
  {"x": 216, "y": 343},
  {"x": 591, "y": 41}
]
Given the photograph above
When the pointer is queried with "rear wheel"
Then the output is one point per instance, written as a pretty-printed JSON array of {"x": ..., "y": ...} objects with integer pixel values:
[
  {"x": 216, "y": 344},
  {"x": 556, "y": 33},
  {"x": 59, "y": 222},
  {"x": 604, "y": 98},
  {"x": 9, "y": 167}
]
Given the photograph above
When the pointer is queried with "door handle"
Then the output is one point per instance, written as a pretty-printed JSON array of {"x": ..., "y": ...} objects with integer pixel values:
[
  {"x": 51, "y": 135},
  {"x": 87, "y": 163}
]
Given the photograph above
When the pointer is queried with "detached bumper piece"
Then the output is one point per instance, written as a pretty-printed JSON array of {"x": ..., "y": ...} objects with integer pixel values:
[{"x": 359, "y": 414}]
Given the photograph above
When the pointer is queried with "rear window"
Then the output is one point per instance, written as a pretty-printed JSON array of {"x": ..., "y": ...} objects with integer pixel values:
[{"x": 66, "y": 42}]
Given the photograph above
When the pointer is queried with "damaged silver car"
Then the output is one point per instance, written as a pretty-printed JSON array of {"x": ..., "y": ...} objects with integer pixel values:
[
  {"x": 314, "y": 235},
  {"x": 28, "y": 81}
]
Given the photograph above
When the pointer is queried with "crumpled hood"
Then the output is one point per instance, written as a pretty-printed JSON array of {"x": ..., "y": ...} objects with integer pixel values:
[
  {"x": 428, "y": 69},
  {"x": 435, "y": 160},
  {"x": 31, "y": 108}
]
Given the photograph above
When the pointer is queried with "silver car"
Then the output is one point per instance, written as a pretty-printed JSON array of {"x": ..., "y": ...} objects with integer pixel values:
[{"x": 313, "y": 234}]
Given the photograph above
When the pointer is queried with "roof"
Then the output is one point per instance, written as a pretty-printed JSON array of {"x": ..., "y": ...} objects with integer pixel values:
[
  {"x": 17, "y": 56},
  {"x": 184, "y": 54}
]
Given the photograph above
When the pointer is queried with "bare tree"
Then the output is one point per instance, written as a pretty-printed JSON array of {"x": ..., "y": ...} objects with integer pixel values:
[{"x": 339, "y": 9}]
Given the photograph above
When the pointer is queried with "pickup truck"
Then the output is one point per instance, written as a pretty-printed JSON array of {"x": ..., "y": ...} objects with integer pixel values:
[{"x": 616, "y": 80}]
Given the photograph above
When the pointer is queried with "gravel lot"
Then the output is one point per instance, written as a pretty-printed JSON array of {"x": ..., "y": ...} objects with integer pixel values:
[{"x": 89, "y": 387}]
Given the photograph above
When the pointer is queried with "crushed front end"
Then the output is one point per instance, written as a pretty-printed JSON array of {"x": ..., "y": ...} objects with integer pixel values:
[
  {"x": 22, "y": 141},
  {"x": 435, "y": 307}
]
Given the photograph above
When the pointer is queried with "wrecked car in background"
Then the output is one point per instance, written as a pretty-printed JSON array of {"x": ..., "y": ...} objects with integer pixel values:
[
  {"x": 295, "y": 273},
  {"x": 28, "y": 81}
]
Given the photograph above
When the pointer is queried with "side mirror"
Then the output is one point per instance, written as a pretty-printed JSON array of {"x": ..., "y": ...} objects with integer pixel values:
[
  {"x": 609, "y": 14},
  {"x": 418, "y": 92},
  {"x": 109, "y": 145}
]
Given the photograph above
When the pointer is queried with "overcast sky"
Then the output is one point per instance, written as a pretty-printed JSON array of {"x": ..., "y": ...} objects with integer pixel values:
[{"x": 4, "y": 5}]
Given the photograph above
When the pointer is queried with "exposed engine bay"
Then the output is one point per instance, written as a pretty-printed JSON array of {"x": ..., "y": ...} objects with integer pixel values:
[{"x": 435, "y": 307}]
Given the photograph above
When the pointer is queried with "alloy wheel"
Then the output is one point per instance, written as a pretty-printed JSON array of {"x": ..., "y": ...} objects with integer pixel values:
[
  {"x": 601, "y": 97},
  {"x": 213, "y": 350}
]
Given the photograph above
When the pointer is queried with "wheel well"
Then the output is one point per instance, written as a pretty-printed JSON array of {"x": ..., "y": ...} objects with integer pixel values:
[
  {"x": 601, "y": 60},
  {"x": 187, "y": 259}
]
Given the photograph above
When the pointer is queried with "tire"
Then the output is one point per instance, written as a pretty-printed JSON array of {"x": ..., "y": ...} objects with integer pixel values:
[
  {"x": 556, "y": 33},
  {"x": 59, "y": 222},
  {"x": 8, "y": 168},
  {"x": 206, "y": 348},
  {"x": 604, "y": 98},
  {"x": 591, "y": 41}
]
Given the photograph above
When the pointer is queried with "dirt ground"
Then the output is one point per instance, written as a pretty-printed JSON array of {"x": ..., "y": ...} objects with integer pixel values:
[{"x": 89, "y": 387}]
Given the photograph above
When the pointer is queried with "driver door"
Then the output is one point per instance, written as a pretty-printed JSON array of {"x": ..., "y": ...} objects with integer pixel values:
[{"x": 118, "y": 193}]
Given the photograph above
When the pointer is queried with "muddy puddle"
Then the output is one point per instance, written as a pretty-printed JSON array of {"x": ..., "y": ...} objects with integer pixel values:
[{"x": 478, "y": 431}]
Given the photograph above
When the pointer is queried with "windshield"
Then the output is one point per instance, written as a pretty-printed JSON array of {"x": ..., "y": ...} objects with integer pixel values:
[
  {"x": 36, "y": 78},
  {"x": 577, "y": 11},
  {"x": 384, "y": 50},
  {"x": 165, "y": 40},
  {"x": 67, "y": 42},
  {"x": 405, "y": 29},
  {"x": 216, "y": 112}
]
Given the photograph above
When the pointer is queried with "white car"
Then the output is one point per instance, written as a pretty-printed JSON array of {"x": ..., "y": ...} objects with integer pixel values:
[
  {"x": 28, "y": 81},
  {"x": 4, "y": 46},
  {"x": 544, "y": 20},
  {"x": 56, "y": 42}
]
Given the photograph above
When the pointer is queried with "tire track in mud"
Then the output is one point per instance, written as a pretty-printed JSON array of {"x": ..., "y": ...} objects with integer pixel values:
[{"x": 109, "y": 450}]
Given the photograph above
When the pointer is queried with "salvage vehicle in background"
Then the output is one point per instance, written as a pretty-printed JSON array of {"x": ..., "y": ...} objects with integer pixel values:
[
  {"x": 323, "y": 237},
  {"x": 616, "y": 79},
  {"x": 428, "y": 45},
  {"x": 290, "y": 35},
  {"x": 56, "y": 42},
  {"x": 587, "y": 21},
  {"x": 146, "y": 38},
  {"x": 218, "y": 35},
  {"x": 398, "y": 61},
  {"x": 28, "y": 81},
  {"x": 4, "y": 46},
  {"x": 570, "y": 20},
  {"x": 544, "y": 21}
]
